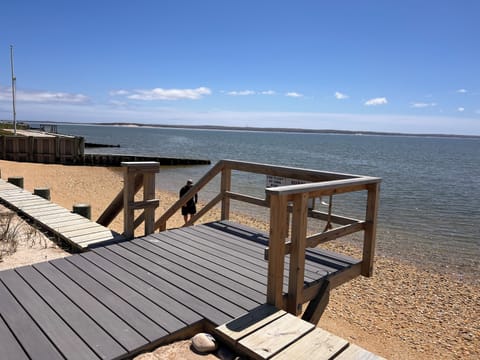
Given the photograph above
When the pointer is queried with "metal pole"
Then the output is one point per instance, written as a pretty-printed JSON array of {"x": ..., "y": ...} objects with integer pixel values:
[{"x": 14, "y": 79}]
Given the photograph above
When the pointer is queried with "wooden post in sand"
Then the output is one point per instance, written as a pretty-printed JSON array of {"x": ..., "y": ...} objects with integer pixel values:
[
  {"x": 132, "y": 170},
  {"x": 83, "y": 209},
  {"x": 16, "y": 180},
  {"x": 42, "y": 192}
]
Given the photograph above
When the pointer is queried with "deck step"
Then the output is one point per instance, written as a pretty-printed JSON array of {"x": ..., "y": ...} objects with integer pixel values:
[{"x": 269, "y": 333}]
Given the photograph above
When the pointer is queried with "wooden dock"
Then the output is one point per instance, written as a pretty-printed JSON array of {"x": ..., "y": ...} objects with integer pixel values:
[
  {"x": 77, "y": 231},
  {"x": 117, "y": 301}
]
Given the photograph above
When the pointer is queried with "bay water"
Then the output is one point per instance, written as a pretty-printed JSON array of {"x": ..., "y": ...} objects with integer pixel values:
[{"x": 430, "y": 194}]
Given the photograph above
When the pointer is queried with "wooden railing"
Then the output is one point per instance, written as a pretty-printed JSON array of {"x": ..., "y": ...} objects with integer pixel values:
[
  {"x": 292, "y": 199},
  {"x": 135, "y": 176}
]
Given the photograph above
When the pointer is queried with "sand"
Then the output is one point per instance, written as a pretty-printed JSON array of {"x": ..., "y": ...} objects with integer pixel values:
[{"x": 402, "y": 312}]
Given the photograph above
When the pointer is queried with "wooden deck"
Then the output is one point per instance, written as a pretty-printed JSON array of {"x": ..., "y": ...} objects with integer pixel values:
[
  {"x": 116, "y": 301},
  {"x": 74, "y": 229}
]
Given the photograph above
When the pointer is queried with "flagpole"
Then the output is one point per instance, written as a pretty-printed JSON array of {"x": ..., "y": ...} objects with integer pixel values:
[{"x": 14, "y": 79}]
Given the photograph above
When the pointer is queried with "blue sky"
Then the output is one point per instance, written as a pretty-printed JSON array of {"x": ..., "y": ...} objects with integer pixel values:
[{"x": 409, "y": 66}]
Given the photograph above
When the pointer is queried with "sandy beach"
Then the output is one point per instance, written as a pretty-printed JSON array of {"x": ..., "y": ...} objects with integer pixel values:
[{"x": 402, "y": 312}]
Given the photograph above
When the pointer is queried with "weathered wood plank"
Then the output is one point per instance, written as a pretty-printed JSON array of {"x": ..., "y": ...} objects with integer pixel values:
[
  {"x": 274, "y": 337},
  {"x": 354, "y": 352},
  {"x": 247, "y": 324},
  {"x": 82, "y": 229},
  {"x": 101, "y": 235},
  {"x": 58, "y": 225},
  {"x": 316, "y": 345}
]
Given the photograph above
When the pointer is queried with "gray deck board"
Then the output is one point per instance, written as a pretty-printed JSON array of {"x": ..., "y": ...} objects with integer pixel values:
[
  {"x": 182, "y": 282},
  {"x": 52, "y": 325},
  {"x": 152, "y": 318},
  {"x": 119, "y": 269},
  {"x": 206, "y": 282},
  {"x": 207, "y": 268},
  {"x": 11, "y": 349},
  {"x": 117, "y": 300},
  {"x": 29, "y": 336},
  {"x": 108, "y": 320},
  {"x": 198, "y": 305},
  {"x": 93, "y": 335},
  {"x": 253, "y": 249}
]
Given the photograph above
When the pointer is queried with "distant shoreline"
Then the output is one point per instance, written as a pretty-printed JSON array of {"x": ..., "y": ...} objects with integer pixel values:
[{"x": 265, "y": 129}]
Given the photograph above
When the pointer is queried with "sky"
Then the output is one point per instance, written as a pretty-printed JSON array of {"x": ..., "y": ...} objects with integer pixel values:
[{"x": 396, "y": 66}]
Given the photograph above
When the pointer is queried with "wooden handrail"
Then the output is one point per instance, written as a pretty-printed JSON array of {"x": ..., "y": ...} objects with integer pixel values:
[
  {"x": 116, "y": 206},
  {"x": 161, "y": 223},
  {"x": 293, "y": 199},
  {"x": 325, "y": 188}
]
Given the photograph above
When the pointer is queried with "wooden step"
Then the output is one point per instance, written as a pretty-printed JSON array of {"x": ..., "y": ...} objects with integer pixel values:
[{"x": 269, "y": 333}]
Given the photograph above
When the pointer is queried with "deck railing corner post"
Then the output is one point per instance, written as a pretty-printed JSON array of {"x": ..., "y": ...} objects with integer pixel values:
[
  {"x": 370, "y": 232},
  {"x": 276, "y": 257}
]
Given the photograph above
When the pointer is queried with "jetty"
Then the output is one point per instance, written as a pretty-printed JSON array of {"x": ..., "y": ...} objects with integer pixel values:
[
  {"x": 52, "y": 148},
  {"x": 246, "y": 286}
]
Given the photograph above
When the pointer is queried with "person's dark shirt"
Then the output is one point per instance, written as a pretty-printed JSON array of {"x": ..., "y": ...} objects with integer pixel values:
[{"x": 190, "y": 201}]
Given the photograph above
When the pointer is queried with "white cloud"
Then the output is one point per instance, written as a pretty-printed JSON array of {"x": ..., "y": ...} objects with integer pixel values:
[
  {"x": 268, "y": 92},
  {"x": 294, "y": 94},
  {"x": 340, "y": 96},
  {"x": 43, "y": 96},
  {"x": 241, "y": 93},
  {"x": 462, "y": 91},
  {"x": 419, "y": 105},
  {"x": 376, "y": 101},
  {"x": 119, "y": 93},
  {"x": 169, "y": 94},
  {"x": 461, "y": 109}
]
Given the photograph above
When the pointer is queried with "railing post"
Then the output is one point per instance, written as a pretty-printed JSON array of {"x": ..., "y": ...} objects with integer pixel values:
[
  {"x": 226, "y": 184},
  {"x": 370, "y": 229},
  {"x": 149, "y": 194},
  {"x": 297, "y": 255},
  {"x": 276, "y": 257},
  {"x": 147, "y": 171},
  {"x": 128, "y": 198}
]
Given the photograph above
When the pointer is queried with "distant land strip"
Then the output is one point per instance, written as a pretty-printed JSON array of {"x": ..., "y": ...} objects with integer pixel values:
[{"x": 265, "y": 129}]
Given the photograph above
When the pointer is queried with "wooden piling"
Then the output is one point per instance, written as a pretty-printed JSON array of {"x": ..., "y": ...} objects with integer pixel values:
[
  {"x": 83, "y": 209},
  {"x": 42, "y": 192},
  {"x": 16, "y": 180}
]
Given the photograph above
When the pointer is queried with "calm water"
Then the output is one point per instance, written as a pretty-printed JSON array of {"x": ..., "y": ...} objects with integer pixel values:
[{"x": 430, "y": 197}]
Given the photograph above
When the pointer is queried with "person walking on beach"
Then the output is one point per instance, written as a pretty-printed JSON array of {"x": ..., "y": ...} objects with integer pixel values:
[{"x": 189, "y": 209}]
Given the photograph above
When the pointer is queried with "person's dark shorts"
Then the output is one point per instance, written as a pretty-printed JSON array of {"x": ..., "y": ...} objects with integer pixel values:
[{"x": 189, "y": 210}]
